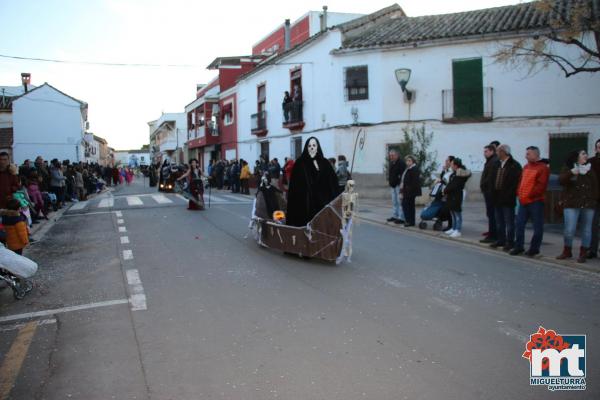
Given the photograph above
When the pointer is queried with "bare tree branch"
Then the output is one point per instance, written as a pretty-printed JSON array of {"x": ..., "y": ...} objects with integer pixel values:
[{"x": 566, "y": 23}]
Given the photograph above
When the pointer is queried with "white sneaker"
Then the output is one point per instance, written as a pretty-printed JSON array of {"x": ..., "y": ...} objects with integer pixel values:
[
  {"x": 455, "y": 234},
  {"x": 449, "y": 231}
]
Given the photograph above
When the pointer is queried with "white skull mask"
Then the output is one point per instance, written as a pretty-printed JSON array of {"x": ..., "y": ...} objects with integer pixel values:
[{"x": 312, "y": 148}]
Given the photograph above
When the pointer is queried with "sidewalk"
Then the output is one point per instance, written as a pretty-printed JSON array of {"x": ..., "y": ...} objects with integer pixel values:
[{"x": 474, "y": 224}]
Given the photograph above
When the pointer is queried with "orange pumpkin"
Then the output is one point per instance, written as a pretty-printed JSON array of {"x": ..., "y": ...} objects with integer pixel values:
[{"x": 278, "y": 215}]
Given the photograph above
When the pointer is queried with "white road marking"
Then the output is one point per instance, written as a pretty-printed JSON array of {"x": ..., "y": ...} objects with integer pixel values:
[
  {"x": 63, "y": 310},
  {"x": 119, "y": 214},
  {"x": 181, "y": 197},
  {"x": 161, "y": 199},
  {"x": 508, "y": 331},
  {"x": 122, "y": 229},
  {"x": 133, "y": 277},
  {"x": 127, "y": 255},
  {"x": 137, "y": 298},
  {"x": 138, "y": 195},
  {"x": 231, "y": 197},
  {"x": 394, "y": 283},
  {"x": 108, "y": 202},
  {"x": 120, "y": 221},
  {"x": 447, "y": 305},
  {"x": 124, "y": 239},
  {"x": 20, "y": 325},
  {"x": 134, "y": 201},
  {"x": 79, "y": 206}
]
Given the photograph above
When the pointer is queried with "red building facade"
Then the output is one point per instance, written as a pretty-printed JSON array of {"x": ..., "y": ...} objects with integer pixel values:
[
  {"x": 275, "y": 42},
  {"x": 211, "y": 118}
]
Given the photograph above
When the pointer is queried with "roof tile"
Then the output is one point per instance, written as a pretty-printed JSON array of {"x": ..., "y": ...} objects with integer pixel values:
[{"x": 408, "y": 30}]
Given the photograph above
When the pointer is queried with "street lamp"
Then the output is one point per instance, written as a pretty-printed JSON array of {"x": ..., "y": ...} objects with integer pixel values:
[{"x": 403, "y": 76}]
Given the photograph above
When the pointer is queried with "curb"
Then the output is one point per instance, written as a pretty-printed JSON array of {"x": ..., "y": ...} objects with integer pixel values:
[{"x": 438, "y": 235}]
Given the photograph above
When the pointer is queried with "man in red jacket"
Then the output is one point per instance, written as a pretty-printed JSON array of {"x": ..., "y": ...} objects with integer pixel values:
[
  {"x": 531, "y": 192},
  {"x": 9, "y": 183}
]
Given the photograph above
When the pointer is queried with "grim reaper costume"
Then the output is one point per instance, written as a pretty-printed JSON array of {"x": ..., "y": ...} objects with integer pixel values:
[{"x": 313, "y": 185}]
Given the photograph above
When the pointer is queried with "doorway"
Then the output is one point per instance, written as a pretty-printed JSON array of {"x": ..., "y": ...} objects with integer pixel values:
[{"x": 561, "y": 144}]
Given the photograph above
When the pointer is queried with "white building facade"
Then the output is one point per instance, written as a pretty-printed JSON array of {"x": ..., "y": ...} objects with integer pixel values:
[
  {"x": 348, "y": 84},
  {"x": 49, "y": 123},
  {"x": 168, "y": 135}
]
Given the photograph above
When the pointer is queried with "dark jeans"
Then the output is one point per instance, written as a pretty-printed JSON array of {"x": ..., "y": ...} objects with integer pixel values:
[
  {"x": 490, "y": 212},
  {"x": 245, "y": 186},
  {"x": 408, "y": 209},
  {"x": 535, "y": 211},
  {"x": 59, "y": 191},
  {"x": 235, "y": 185},
  {"x": 595, "y": 222},
  {"x": 505, "y": 225}
]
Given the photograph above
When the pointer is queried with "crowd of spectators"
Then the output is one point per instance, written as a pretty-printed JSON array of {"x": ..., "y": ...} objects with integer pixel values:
[
  {"x": 514, "y": 196},
  {"x": 32, "y": 191}
]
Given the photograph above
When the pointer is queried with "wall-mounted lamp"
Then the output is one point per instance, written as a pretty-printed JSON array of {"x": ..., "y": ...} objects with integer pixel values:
[{"x": 403, "y": 76}]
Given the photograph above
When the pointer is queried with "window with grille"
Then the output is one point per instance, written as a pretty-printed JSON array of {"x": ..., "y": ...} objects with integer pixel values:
[{"x": 356, "y": 83}]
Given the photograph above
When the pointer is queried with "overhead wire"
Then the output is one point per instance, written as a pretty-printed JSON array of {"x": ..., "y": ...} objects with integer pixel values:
[{"x": 110, "y": 64}]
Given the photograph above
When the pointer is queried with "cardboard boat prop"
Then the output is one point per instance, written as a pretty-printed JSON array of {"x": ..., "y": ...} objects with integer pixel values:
[{"x": 328, "y": 236}]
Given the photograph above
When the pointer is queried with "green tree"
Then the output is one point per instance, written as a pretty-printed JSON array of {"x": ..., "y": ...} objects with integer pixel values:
[{"x": 417, "y": 141}]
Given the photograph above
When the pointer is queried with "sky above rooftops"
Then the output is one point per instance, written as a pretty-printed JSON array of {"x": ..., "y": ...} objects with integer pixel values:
[{"x": 123, "y": 99}]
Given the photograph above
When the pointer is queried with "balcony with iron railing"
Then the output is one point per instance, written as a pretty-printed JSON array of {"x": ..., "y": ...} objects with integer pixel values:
[
  {"x": 258, "y": 123},
  {"x": 468, "y": 105},
  {"x": 292, "y": 115}
]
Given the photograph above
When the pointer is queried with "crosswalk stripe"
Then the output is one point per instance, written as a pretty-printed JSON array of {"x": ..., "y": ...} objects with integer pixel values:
[
  {"x": 134, "y": 201},
  {"x": 161, "y": 199},
  {"x": 230, "y": 197},
  {"x": 79, "y": 206},
  {"x": 108, "y": 202}
]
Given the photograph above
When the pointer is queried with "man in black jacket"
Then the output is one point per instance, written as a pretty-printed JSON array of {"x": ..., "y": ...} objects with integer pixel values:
[
  {"x": 395, "y": 171},
  {"x": 410, "y": 185},
  {"x": 506, "y": 182},
  {"x": 487, "y": 189}
]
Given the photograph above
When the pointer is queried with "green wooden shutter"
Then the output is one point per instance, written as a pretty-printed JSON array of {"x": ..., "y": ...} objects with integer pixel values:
[{"x": 467, "y": 76}]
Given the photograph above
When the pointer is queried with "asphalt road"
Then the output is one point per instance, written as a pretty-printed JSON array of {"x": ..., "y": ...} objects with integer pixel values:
[{"x": 189, "y": 307}]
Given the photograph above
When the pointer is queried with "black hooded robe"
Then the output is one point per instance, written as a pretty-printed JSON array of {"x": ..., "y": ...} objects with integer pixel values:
[{"x": 310, "y": 190}]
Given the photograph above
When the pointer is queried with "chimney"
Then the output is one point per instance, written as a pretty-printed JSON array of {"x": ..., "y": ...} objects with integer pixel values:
[
  {"x": 286, "y": 35},
  {"x": 323, "y": 17},
  {"x": 26, "y": 80}
]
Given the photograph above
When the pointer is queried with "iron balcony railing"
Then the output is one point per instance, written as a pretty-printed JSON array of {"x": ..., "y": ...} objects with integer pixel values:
[
  {"x": 258, "y": 122},
  {"x": 468, "y": 105},
  {"x": 292, "y": 112}
]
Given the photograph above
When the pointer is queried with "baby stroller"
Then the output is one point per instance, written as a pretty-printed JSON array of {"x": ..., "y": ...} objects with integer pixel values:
[
  {"x": 436, "y": 211},
  {"x": 16, "y": 270}
]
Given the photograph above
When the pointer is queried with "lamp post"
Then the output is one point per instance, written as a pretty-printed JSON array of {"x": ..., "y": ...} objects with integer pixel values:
[{"x": 403, "y": 76}]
